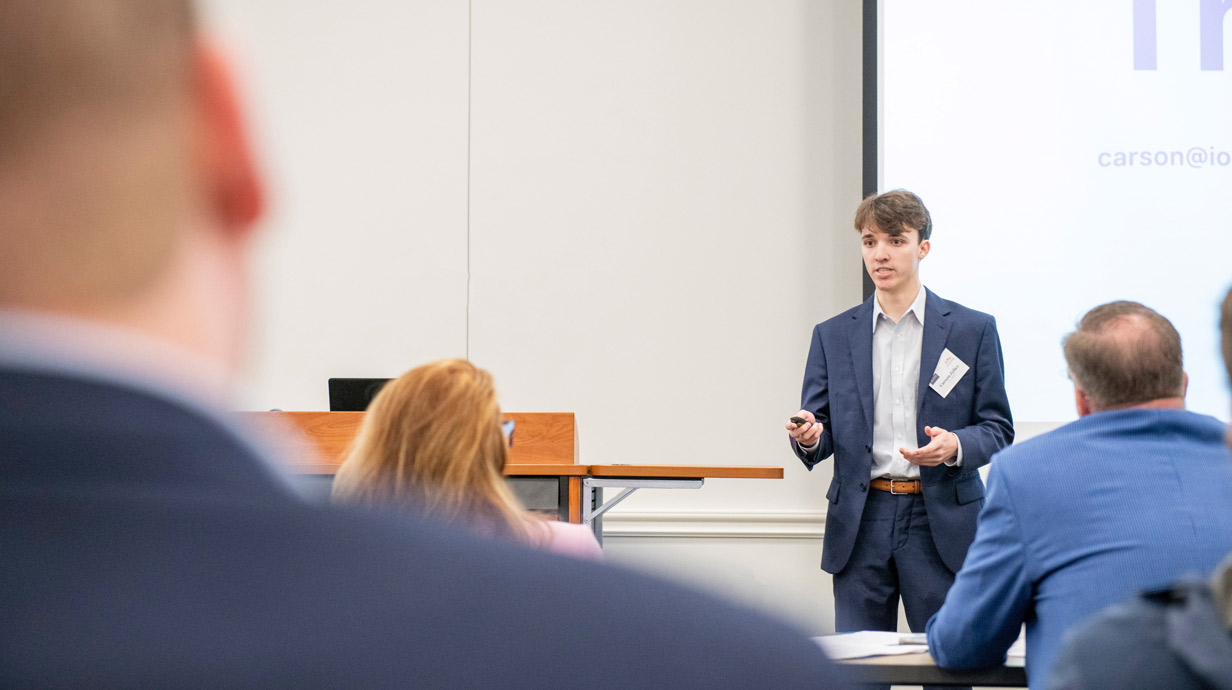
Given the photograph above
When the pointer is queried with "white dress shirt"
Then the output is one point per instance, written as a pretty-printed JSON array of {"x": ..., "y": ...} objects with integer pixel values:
[
  {"x": 897, "y": 348},
  {"x": 896, "y": 378}
]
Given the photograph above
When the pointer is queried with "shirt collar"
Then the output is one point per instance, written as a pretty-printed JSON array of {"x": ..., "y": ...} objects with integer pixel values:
[
  {"x": 53, "y": 342},
  {"x": 917, "y": 308}
]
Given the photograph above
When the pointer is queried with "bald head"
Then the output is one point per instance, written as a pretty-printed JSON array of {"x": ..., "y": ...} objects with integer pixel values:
[
  {"x": 1125, "y": 354},
  {"x": 94, "y": 146}
]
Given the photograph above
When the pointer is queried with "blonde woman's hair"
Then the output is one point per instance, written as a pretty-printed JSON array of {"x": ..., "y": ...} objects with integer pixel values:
[{"x": 432, "y": 441}]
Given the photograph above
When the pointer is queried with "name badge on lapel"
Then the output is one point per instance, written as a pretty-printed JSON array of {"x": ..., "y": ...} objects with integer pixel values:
[{"x": 949, "y": 372}]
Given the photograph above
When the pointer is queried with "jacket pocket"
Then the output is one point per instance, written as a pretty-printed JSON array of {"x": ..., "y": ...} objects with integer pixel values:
[
  {"x": 969, "y": 489},
  {"x": 832, "y": 494}
]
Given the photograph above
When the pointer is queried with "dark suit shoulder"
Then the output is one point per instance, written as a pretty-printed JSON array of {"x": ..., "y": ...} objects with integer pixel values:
[
  {"x": 137, "y": 547},
  {"x": 216, "y": 593},
  {"x": 61, "y": 430},
  {"x": 958, "y": 311},
  {"x": 1167, "y": 638},
  {"x": 952, "y": 309},
  {"x": 843, "y": 319}
]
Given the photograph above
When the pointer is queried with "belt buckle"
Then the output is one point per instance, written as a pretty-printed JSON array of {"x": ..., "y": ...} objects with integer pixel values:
[{"x": 898, "y": 493}]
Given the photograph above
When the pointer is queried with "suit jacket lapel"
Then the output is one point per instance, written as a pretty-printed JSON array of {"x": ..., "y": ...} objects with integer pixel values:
[
  {"x": 936, "y": 330},
  {"x": 860, "y": 338}
]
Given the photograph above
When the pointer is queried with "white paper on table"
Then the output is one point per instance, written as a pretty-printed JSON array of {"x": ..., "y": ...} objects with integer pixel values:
[
  {"x": 867, "y": 643},
  {"x": 1019, "y": 648}
]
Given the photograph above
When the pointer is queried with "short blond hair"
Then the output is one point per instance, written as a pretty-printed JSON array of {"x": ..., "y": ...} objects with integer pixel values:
[
  {"x": 92, "y": 136},
  {"x": 431, "y": 440}
]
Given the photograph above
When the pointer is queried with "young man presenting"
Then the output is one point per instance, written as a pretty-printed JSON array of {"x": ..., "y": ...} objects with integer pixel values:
[{"x": 907, "y": 392}]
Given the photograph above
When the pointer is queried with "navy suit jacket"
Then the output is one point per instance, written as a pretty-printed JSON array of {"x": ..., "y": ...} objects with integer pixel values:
[
  {"x": 144, "y": 543},
  {"x": 838, "y": 389},
  {"x": 1080, "y": 518}
]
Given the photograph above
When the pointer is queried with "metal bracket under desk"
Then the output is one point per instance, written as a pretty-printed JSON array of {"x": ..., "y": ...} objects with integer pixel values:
[{"x": 592, "y": 491}]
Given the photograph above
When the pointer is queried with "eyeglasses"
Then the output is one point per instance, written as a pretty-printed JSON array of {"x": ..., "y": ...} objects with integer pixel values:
[{"x": 507, "y": 429}]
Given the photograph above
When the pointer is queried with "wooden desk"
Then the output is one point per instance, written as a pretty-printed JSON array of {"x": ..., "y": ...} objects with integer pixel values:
[
  {"x": 920, "y": 669},
  {"x": 513, "y": 470},
  {"x": 689, "y": 471},
  {"x": 545, "y": 445},
  {"x": 540, "y": 438}
]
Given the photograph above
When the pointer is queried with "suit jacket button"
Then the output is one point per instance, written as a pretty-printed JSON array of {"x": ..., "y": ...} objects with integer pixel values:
[
  {"x": 868, "y": 449},
  {"x": 863, "y": 486}
]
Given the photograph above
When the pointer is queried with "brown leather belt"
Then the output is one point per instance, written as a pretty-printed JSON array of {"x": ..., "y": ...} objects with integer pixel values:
[{"x": 897, "y": 486}]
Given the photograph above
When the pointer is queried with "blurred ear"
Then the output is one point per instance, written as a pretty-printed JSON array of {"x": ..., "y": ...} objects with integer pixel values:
[
  {"x": 924, "y": 247},
  {"x": 1080, "y": 400},
  {"x": 233, "y": 189}
]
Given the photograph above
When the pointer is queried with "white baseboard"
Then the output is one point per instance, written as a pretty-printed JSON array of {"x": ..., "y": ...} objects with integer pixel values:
[{"x": 747, "y": 524}]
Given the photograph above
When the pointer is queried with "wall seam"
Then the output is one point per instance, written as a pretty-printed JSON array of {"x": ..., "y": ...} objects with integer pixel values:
[{"x": 469, "y": 60}]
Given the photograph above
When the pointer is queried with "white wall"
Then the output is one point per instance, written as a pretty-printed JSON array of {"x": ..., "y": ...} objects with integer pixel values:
[{"x": 629, "y": 209}]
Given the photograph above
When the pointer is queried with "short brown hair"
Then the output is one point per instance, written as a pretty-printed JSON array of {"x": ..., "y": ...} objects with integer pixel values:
[
  {"x": 93, "y": 140},
  {"x": 1124, "y": 353},
  {"x": 894, "y": 212}
]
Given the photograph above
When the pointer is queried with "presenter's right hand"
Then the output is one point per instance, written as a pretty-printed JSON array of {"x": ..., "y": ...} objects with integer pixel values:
[{"x": 806, "y": 434}]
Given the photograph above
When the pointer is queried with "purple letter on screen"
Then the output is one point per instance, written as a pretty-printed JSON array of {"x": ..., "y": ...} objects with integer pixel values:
[
  {"x": 1212, "y": 32},
  {"x": 1144, "y": 34}
]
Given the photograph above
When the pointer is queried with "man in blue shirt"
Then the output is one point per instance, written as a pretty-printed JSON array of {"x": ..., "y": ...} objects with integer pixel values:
[
  {"x": 1131, "y": 496},
  {"x": 1178, "y": 638}
]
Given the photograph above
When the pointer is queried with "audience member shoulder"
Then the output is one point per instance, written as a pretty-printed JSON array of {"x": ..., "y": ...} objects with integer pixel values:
[
  {"x": 1207, "y": 427},
  {"x": 1028, "y": 452},
  {"x": 540, "y": 608},
  {"x": 1169, "y": 638}
]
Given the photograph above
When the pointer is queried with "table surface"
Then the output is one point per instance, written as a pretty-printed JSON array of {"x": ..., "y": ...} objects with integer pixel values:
[
  {"x": 920, "y": 669},
  {"x": 648, "y": 471},
  {"x": 545, "y": 470},
  {"x": 689, "y": 471}
]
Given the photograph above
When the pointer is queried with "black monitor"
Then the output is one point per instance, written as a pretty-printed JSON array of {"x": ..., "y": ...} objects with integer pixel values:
[{"x": 353, "y": 395}]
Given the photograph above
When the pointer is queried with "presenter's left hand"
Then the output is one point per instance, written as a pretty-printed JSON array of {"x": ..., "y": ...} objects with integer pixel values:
[{"x": 942, "y": 447}]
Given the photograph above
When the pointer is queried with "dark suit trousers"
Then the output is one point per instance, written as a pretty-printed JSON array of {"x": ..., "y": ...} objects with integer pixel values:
[{"x": 894, "y": 556}]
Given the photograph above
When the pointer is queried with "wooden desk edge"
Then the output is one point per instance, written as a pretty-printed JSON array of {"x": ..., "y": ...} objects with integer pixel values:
[
  {"x": 654, "y": 471},
  {"x": 689, "y": 471},
  {"x": 545, "y": 469}
]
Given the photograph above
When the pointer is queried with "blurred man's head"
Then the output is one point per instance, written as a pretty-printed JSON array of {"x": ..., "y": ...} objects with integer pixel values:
[
  {"x": 1125, "y": 355},
  {"x": 126, "y": 184}
]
